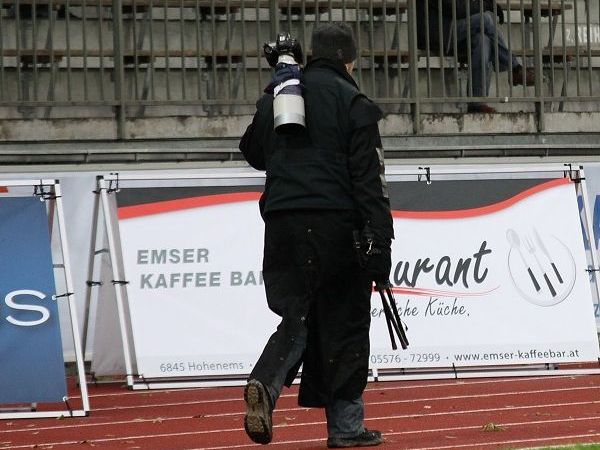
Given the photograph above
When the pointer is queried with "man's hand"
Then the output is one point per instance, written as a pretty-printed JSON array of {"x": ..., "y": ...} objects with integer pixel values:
[
  {"x": 283, "y": 73},
  {"x": 488, "y": 5},
  {"x": 500, "y": 14},
  {"x": 379, "y": 264},
  {"x": 374, "y": 255}
]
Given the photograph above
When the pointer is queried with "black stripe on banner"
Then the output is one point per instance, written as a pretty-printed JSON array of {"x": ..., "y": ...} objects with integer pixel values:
[
  {"x": 454, "y": 195},
  {"x": 142, "y": 196}
]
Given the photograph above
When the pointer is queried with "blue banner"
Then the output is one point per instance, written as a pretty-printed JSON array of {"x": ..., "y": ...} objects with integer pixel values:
[{"x": 31, "y": 359}]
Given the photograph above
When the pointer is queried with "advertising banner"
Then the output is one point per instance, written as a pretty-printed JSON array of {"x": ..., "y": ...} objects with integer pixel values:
[
  {"x": 32, "y": 364},
  {"x": 485, "y": 272},
  {"x": 193, "y": 259},
  {"x": 489, "y": 272}
]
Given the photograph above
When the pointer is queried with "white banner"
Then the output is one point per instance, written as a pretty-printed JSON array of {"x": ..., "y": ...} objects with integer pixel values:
[
  {"x": 195, "y": 288},
  {"x": 491, "y": 283},
  {"x": 491, "y": 275}
]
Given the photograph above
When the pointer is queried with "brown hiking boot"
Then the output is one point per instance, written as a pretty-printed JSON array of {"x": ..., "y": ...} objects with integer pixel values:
[{"x": 258, "y": 421}]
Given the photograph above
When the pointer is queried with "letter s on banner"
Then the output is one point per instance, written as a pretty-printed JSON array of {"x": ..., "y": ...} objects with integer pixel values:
[{"x": 10, "y": 302}]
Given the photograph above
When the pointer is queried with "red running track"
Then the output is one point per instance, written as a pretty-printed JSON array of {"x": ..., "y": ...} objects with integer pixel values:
[{"x": 441, "y": 414}]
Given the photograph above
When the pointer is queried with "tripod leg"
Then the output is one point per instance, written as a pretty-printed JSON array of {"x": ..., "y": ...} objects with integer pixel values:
[
  {"x": 392, "y": 319},
  {"x": 399, "y": 325},
  {"x": 388, "y": 319}
]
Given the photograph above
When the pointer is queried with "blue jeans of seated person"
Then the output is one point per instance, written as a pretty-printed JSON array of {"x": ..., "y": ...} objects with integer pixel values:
[
  {"x": 483, "y": 50},
  {"x": 344, "y": 418}
]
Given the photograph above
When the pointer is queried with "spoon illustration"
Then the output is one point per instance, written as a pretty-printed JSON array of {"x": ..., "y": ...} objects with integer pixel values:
[{"x": 515, "y": 243}]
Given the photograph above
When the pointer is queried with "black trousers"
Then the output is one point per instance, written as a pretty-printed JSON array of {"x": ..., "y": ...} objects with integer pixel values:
[{"x": 314, "y": 282}]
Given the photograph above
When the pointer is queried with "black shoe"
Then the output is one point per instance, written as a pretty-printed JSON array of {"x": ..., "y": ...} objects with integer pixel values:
[
  {"x": 368, "y": 438},
  {"x": 258, "y": 421},
  {"x": 521, "y": 76}
]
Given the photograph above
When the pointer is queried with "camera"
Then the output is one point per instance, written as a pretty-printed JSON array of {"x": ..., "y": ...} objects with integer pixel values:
[
  {"x": 285, "y": 55},
  {"x": 285, "y": 50}
]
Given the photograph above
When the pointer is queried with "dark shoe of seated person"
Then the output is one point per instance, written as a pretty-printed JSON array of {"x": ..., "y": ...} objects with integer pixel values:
[
  {"x": 258, "y": 421},
  {"x": 368, "y": 438},
  {"x": 481, "y": 108},
  {"x": 521, "y": 76}
]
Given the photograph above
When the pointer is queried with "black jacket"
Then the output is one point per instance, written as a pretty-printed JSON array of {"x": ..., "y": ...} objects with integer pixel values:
[
  {"x": 429, "y": 13},
  {"x": 335, "y": 163},
  {"x": 322, "y": 184}
]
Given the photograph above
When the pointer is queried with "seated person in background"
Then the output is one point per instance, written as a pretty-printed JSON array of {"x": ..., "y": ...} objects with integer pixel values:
[{"x": 483, "y": 41}]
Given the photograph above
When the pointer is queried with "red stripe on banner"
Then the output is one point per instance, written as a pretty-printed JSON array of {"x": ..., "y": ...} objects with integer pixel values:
[
  {"x": 439, "y": 293},
  {"x": 436, "y": 292},
  {"x": 3, "y": 189},
  {"x": 146, "y": 209},
  {"x": 462, "y": 213}
]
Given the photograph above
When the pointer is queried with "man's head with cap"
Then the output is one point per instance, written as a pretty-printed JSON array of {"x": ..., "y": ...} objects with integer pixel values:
[{"x": 334, "y": 41}]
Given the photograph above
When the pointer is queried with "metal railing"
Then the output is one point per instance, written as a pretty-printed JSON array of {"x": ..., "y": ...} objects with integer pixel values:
[{"x": 203, "y": 57}]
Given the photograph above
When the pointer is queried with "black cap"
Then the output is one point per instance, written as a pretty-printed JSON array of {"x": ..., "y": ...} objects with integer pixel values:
[{"x": 334, "y": 41}]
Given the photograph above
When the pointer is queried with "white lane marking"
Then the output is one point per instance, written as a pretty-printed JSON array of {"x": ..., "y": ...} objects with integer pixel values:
[
  {"x": 431, "y": 399},
  {"x": 428, "y": 399},
  {"x": 478, "y": 445},
  {"x": 287, "y": 425},
  {"x": 512, "y": 441},
  {"x": 409, "y": 384},
  {"x": 305, "y": 441}
]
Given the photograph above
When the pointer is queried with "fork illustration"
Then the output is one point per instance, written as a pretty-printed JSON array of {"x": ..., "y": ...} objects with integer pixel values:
[{"x": 531, "y": 249}]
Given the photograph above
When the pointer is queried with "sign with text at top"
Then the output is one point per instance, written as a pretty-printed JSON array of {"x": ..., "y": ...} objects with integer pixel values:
[
  {"x": 32, "y": 363},
  {"x": 486, "y": 272},
  {"x": 193, "y": 260},
  {"x": 489, "y": 272}
]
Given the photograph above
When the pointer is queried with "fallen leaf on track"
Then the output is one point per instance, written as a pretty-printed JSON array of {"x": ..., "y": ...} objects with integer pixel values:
[{"x": 492, "y": 427}]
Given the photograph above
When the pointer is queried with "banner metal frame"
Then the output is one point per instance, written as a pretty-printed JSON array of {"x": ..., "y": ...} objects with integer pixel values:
[
  {"x": 118, "y": 273},
  {"x": 90, "y": 273},
  {"x": 424, "y": 174},
  {"x": 56, "y": 210}
]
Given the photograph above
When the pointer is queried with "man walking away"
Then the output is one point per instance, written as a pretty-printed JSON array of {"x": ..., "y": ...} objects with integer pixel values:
[{"x": 323, "y": 184}]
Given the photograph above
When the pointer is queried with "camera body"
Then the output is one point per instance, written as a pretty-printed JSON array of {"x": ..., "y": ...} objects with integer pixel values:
[
  {"x": 286, "y": 47},
  {"x": 285, "y": 55}
]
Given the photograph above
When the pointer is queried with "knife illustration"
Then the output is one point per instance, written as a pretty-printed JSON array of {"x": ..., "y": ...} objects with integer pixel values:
[{"x": 545, "y": 251}]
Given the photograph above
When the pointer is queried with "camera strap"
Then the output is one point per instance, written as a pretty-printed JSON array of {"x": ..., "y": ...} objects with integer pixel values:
[{"x": 280, "y": 87}]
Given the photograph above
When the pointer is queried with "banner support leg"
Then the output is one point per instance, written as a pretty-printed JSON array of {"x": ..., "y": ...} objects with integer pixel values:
[
  {"x": 71, "y": 300},
  {"x": 117, "y": 275}
]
